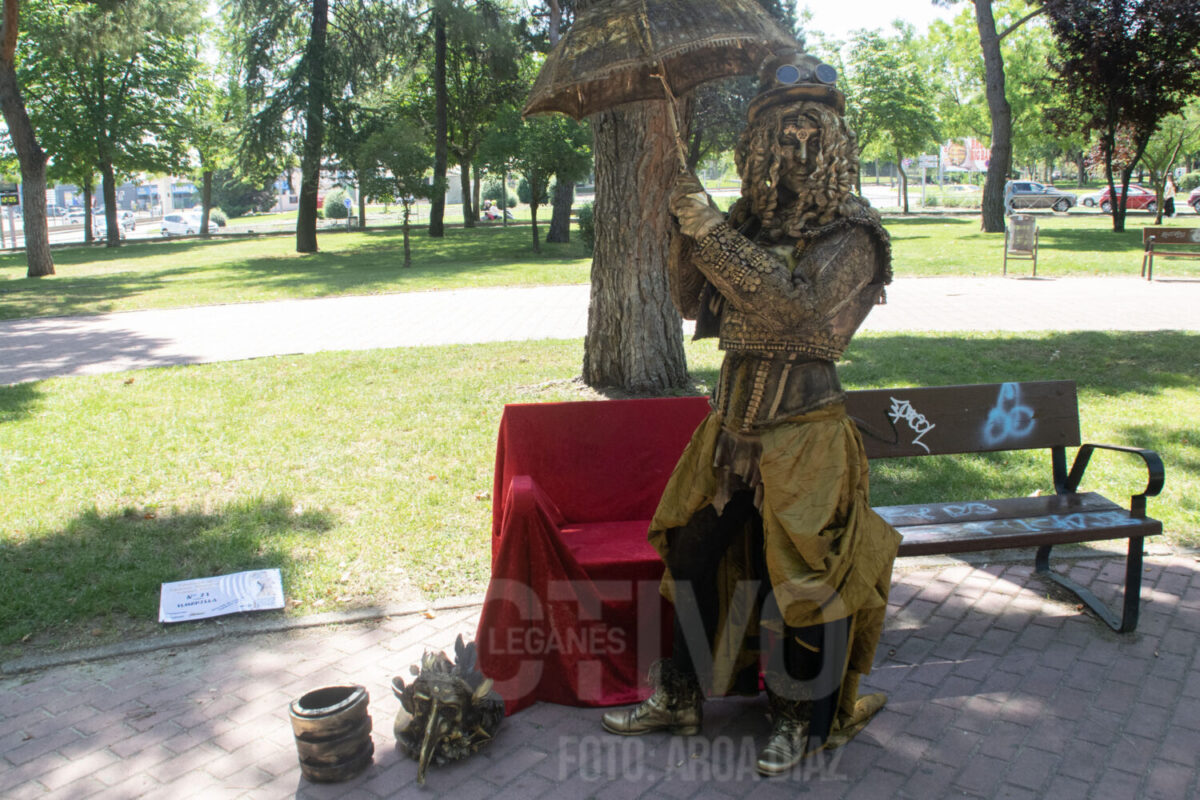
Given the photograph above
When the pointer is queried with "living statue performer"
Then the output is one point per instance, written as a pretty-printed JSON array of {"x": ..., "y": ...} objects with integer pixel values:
[{"x": 765, "y": 525}]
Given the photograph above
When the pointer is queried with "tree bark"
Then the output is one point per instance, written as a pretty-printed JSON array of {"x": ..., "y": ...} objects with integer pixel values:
[
  {"x": 635, "y": 336},
  {"x": 314, "y": 132},
  {"x": 476, "y": 190},
  {"x": 88, "y": 194},
  {"x": 32, "y": 158},
  {"x": 108, "y": 188},
  {"x": 533, "y": 207},
  {"x": 560, "y": 217},
  {"x": 407, "y": 250},
  {"x": 1001, "y": 114},
  {"x": 464, "y": 183},
  {"x": 437, "y": 206},
  {"x": 205, "y": 201},
  {"x": 903, "y": 182}
]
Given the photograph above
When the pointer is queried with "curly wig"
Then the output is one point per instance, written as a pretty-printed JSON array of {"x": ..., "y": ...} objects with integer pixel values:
[{"x": 762, "y": 161}]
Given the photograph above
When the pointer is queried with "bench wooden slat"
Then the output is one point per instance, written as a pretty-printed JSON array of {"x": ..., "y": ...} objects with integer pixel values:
[
  {"x": 987, "y": 510},
  {"x": 978, "y": 418},
  {"x": 1051, "y": 529}
]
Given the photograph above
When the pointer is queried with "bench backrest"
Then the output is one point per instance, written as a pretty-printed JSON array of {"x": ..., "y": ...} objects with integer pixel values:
[
  {"x": 1170, "y": 236},
  {"x": 966, "y": 419}
]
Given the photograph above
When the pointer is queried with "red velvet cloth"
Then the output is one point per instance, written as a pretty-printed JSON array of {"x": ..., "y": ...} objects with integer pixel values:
[{"x": 572, "y": 614}]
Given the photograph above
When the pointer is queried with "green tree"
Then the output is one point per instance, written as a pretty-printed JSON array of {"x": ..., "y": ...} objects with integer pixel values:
[
  {"x": 121, "y": 70},
  {"x": 212, "y": 135},
  {"x": 999, "y": 110},
  {"x": 1125, "y": 63},
  {"x": 368, "y": 55},
  {"x": 892, "y": 96},
  {"x": 1176, "y": 135},
  {"x": 30, "y": 155},
  {"x": 401, "y": 156},
  {"x": 285, "y": 96},
  {"x": 537, "y": 149}
]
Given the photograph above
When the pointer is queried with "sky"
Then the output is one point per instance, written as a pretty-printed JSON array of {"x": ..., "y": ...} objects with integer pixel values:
[{"x": 836, "y": 18}]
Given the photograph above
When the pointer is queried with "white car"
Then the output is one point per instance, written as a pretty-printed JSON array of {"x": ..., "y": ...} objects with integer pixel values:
[{"x": 180, "y": 225}]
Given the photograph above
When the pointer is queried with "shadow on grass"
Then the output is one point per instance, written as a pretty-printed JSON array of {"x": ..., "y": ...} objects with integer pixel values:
[
  {"x": 102, "y": 565},
  {"x": 18, "y": 402}
]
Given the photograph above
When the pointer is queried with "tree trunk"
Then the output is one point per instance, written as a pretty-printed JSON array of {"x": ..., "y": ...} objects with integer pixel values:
[
  {"x": 88, "y": 192},
  {"x": 560, "y": 217},
  {"x": 903, "y": 182},
  {"x": 437, "y": 205},
  {"x": 504, "y": 199},
  {"x": 407, "y": 251},
  {"x": 533, "y": 207},
  {"x": 1001, "y": 114},
  {"x": 314, "y": 132},
  {"x": 464, "y": 183},
  {"x": 205, "y": 201},
  {"x": 108, "y": 187},
  {"x": 1081, "y": 168},
  {"x": 476, "y": 190},
  {"x": 635, "y": 337},
  {"x": 362, "y": 205},
  {"x": 32, "y": 158}
]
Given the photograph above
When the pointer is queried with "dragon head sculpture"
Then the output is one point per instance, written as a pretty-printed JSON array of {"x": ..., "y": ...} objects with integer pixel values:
[{"x": 448, "y": 711}]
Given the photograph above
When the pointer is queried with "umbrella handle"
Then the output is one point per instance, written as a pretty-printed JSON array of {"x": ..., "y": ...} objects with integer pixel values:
[{"x": 673, "y": 118}]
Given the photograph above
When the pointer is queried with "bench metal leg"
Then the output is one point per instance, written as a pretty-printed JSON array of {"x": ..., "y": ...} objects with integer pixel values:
[{"x": 1133, "y": 587}]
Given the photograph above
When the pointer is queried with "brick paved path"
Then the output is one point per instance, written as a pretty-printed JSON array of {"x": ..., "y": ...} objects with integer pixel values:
[{"x": 997, "y": 691}]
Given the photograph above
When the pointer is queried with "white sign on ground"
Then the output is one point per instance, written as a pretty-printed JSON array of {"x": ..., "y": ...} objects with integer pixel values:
[{"x": 201, "y": 598}]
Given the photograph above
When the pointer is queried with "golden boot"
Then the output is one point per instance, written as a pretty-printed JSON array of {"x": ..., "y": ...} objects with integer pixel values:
[
  {"x": 675, "y": 706},
  {"x": 788, "y": 743}
]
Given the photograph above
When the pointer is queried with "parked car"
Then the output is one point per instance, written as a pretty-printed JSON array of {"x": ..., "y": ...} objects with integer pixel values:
[
  {"x": 1029, "y": 194},
  {"x": 1194, "y": 199},
  {"x": 1139, "y": 198},
  {"x": 124, "y": 218},
  {"x": 1090, "y": 200},
  {"x": 176, "y": 224}
]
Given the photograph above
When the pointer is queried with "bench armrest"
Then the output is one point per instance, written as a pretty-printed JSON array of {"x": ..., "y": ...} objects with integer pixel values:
[{"x": 1154, "y": 469}]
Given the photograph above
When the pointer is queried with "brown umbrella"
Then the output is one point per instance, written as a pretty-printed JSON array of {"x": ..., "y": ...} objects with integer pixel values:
[{"x": 622, "y": 51}]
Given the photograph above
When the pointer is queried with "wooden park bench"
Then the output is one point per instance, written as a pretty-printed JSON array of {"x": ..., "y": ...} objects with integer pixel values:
[
  {"x": 1168, "y": 243},
  {"x": 998, "y": 417},
  {"x": 576, "y": 484},
  {"x": 1021, "y": 239}
]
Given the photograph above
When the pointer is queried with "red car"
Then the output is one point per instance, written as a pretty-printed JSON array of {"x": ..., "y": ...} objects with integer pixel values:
[
  {"x": 1138, "y": 199},
  {"x": 1193, "y": 200}
]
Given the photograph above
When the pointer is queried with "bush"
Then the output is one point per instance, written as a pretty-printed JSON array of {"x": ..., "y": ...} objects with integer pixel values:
[
  {"x": 217, "y": 217},
  {"x": 335, "y": 204},
  {"x": 525, "y": 195},
  {"x": 1189, "y": 181},
  {"x": 587, "y": 226}
]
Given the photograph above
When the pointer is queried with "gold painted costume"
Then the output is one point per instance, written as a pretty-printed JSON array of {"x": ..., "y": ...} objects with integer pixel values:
[{"x": 779, "y": 428}]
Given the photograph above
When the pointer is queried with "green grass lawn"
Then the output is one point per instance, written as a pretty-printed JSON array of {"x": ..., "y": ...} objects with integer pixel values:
[
  {"x": 167, "y": 274},
  {"x": 366, "y": 476}
]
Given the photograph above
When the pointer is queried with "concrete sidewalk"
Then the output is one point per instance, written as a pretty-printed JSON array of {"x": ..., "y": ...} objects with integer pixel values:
[
  {"x": 996, "y": 691},
  {"x": 35, "y": 349}
]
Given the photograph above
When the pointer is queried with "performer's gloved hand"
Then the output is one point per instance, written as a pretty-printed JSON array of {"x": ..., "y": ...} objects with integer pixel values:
[{"x": 692, "y": 206}]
